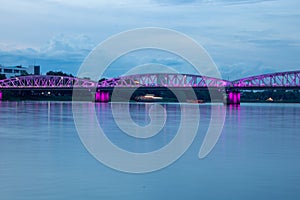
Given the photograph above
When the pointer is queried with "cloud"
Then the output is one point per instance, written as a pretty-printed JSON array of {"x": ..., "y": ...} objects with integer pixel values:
[
  {"x": 237, "y": 2},
  {"x": 267, "y": 43},
  {"x": 71, "y": 44},
  {"x": 242, "y": 70},
  {"x": 202, "y": 2},
  {"x": 150, "y": 58},
  {"x": 236, "y": 33},
  {"x": 62, "y": 52},
  {"x": 81, "y": 3}
]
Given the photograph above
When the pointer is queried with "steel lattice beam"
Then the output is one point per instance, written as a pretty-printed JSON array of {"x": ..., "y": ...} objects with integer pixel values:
[
  {"x": 274, "y": 80},
  {"x": 44, "y": 81},
  {"x": 164, "y": 80}
]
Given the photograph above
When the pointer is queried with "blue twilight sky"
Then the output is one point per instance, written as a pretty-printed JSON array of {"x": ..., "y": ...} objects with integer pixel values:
[{"x": 244, "y": 37}]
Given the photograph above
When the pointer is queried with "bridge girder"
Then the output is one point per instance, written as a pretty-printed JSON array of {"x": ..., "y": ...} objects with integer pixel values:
[
  {"x": 164, "y": 80},
  {"x": 274, "y": 80},
  {"x": 45, "y": 81},
  {"x": 289, "y": 79}
]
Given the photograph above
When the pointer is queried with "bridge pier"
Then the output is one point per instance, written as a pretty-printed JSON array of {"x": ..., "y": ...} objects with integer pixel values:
[
  {"x": 1, "y": 95},
  {"x": 233, "y": 97},
  {"x": 102, "y": 96}
]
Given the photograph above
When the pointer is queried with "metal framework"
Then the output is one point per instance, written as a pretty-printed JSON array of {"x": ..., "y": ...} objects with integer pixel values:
[
  {"x": 45, "y": 81},
  {"x": 164, "y": 80},
  {"x": 274, "y": 80}
]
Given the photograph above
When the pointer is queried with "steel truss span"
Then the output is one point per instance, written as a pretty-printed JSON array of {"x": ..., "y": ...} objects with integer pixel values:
[
  {"x": 164, "y": 80},
  {"x": 274, "y": 80},
  {"x": 45, "y": 81}
]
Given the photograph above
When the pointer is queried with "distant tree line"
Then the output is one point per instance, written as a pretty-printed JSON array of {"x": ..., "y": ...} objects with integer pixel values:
[
  {"x": 52, "y": 73},
  {"x": 275, "y": 95},
  {"x": 102, "y": 79},
  {"x": 2, "y": 76},
  {"x": 58, "y": 73}
]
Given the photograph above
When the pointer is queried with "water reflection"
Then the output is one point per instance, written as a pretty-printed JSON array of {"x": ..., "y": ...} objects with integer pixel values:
[
  {"x": 139, "y": 113},
  {"x": 257, "y": 156}
]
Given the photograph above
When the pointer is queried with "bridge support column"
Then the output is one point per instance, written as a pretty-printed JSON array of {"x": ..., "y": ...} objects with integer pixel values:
[
  {"x": 232, "y": 98},
  {"x": 101, "y": 96},
  {"x": 1, "y": 95}
]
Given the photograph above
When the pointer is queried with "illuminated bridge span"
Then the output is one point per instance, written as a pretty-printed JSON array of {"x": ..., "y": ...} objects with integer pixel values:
[
  {"x": 283, "y": 80},
  {"x": 153, "y": 82},
  {"x": 275, "y": 80},
  {"x": 45, "y": 81},
  {"x": 164, "y": 80}
]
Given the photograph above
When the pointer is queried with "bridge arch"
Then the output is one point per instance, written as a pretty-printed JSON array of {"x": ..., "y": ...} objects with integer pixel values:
[
  {"x": 164, "y": 80},
  {"x": 289, "y": 79},
  {"x": 45, "y": 81}
]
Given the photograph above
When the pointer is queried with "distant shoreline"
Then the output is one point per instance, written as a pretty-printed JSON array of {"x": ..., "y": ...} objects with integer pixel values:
[{"x": 69, "y": 99}]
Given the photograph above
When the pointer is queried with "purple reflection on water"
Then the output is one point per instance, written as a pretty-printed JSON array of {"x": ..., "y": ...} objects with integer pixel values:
[
  {"x": 102, "y": 96},
  {"x": 230, "y": 96},
  {"x": 235, "y": 98},
  {"x": 106, "y": 96},
  {"x": 97, "y": 96}
]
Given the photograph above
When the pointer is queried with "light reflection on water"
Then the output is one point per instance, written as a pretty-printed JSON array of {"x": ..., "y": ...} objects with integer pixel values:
[{"x": 256, "y": 157}]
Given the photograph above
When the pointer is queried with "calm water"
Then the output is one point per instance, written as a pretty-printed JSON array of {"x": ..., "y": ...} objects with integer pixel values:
[{"x": 256, "y": 157}]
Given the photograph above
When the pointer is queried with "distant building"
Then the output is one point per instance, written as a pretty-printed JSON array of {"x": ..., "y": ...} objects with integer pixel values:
[{"x": 11, "y": 71}]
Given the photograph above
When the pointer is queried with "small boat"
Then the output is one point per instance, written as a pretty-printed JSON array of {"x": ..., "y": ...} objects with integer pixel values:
[
  {"x": 149, "y": 98},
  {"x": 195, "y": 101}
]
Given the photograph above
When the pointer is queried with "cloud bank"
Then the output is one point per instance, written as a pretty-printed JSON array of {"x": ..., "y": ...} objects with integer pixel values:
[{"x": 244, "y": 37}]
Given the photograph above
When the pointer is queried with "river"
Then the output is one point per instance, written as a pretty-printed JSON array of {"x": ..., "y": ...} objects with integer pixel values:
[{"x": 256, "y": 157}]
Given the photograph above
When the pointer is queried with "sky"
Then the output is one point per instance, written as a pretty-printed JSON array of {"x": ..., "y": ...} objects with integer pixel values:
[{"x": 243, "y": 37}]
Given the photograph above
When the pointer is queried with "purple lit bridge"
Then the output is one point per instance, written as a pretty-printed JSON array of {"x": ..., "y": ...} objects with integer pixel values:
[
  {"x": 44, "y": 85},
  {"x": 155, "y": 82}
]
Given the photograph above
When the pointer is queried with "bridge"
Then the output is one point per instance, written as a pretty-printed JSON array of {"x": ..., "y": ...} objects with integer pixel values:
[
  {"x": 158, "y": 81},
  {"x": 282, "y": 80},
  {"x": 165, "y": 80},
  {"x": 45, "y": 82}
]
